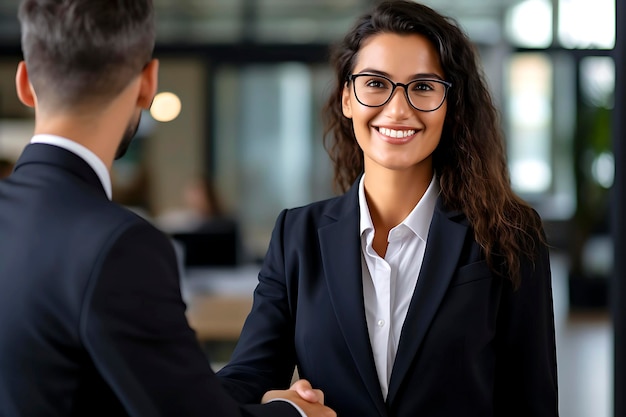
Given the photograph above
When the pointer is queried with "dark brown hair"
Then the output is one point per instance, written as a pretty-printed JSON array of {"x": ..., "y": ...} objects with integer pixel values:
[
  {"x": 470, "y": 160},
  {"x": 79, "y": 51}
]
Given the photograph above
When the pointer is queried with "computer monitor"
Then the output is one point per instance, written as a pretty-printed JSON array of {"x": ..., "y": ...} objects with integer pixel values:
[{"x": 209, "y": 248}]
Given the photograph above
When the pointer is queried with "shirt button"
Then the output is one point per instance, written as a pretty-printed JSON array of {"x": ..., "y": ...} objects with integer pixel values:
[{"x": 381, "y": 323}]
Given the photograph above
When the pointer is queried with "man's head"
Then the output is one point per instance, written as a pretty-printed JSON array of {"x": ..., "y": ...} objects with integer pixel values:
[{"x": 84, "y": 52}]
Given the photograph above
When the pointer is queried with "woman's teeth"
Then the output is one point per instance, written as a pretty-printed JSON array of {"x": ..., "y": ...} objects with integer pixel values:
[{"x": 396, "y": 133}]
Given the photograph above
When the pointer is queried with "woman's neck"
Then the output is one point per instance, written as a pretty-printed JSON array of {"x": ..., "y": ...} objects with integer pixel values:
[{"x": 391, "y": 195}]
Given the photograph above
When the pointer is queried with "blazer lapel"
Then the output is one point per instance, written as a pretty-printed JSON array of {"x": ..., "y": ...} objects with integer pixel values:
[
  {"x": 341, "y": 256},
  {"x": 443, "y": 248}
]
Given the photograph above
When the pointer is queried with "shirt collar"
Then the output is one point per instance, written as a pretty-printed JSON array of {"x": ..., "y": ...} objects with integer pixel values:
[
  {"x": 88, "y": 156},
  {"x": 418, "y": 219},
  {"x": 366, "y": 223}
]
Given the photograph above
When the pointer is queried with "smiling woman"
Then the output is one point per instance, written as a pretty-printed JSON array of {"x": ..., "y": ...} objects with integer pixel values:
[
  {"x": 425, "y": 289},
  {"x": 397, "y": 133}
]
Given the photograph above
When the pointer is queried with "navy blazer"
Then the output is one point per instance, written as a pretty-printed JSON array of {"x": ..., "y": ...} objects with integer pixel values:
[
  {"x": 91, "y": 317},
  {"x": 470, "y": 344}
]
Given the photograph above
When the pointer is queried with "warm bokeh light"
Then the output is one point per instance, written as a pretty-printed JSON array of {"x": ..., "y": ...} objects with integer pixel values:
[{"x": 165, "y": 107}]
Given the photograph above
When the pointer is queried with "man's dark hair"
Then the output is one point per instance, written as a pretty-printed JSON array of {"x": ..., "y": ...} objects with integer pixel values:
[{"x": 83, "y": 51}]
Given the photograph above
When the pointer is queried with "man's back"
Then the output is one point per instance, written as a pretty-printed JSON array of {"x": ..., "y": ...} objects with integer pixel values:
[
  {"x": 56, "y": 226},
  {"x": 92, "y": 322}
]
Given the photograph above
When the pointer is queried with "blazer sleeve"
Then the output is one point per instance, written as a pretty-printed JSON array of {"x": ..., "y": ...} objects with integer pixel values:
[
  {"x": 264, "y": 358},
  {"x": 526, "y": 367},
  {"x": 134, "y": 327}
]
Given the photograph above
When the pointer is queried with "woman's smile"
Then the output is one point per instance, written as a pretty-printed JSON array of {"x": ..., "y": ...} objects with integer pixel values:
[{"x": 397, "y": 136}]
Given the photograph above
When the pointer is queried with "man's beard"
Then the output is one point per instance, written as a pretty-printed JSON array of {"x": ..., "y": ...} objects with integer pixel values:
[{"x": 129, "y": 134}]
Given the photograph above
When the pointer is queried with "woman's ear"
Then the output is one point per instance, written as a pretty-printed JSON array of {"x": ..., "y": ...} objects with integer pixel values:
[
  {"x": 23, "y": 87},
  {"x": 346, "y": 104},
  {"x": 149, "y": 84}
]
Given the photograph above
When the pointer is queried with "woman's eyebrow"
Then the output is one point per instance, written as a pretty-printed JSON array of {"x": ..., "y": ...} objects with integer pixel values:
[{"x": 413, "y": 77}]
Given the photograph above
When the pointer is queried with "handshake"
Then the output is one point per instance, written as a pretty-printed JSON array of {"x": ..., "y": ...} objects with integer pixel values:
[{"x": 301, "y": 393}]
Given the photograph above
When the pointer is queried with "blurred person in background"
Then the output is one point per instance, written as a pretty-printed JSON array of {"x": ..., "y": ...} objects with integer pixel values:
[
  {"x": 6, "y": 167},
  {"x": 91, "y": 317},
  {"x": 425, "y": 289},
  {"x": 202, "y": 210},
  {"x": 207, "y": 234}
]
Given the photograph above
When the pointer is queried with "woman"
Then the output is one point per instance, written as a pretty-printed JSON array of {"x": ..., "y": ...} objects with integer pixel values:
[{"x": 424, "y": 290}]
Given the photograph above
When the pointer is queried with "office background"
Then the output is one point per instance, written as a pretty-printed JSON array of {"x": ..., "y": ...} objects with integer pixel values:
[{"x": 252, "y": 76}]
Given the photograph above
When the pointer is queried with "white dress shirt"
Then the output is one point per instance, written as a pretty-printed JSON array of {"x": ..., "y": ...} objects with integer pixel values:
[
  {"x": 388, "y": 283},
  {"x": 76, "y": 148}
]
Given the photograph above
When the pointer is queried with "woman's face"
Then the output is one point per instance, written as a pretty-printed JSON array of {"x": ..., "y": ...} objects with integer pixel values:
[{"x": 396, "y": 136}]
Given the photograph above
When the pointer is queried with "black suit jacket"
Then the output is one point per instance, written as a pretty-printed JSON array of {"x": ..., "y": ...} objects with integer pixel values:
[
  {"x": 470, "y": 345},
  {"x": 91, "y": 318}
]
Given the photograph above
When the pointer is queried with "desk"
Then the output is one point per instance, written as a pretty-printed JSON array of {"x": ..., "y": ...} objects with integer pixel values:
[
  {"x": 217, "y": 317},
  {"x": 219, "y": 300}
]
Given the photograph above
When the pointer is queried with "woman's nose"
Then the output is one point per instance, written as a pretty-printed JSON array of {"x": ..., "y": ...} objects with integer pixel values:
[{"x": 398, "y": 104}]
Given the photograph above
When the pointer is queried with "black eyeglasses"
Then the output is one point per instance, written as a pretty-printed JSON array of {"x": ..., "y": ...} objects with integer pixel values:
[{"x": 424, "y": 94}]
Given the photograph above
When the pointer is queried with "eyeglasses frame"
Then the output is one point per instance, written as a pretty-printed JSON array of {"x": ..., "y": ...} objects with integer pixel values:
[{"x": 446, "y": 84}]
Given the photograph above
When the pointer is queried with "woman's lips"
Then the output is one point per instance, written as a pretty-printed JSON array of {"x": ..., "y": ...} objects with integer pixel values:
[{"x": 396, "y": 136}]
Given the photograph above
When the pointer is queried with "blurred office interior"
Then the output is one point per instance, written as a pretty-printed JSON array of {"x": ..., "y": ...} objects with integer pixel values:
[{"x": 244, "y": 82}]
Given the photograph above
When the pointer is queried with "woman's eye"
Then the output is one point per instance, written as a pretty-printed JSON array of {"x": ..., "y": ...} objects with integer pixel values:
[
  {"x": 422, "y": 86},
  {"x": 376, "y": 84}
]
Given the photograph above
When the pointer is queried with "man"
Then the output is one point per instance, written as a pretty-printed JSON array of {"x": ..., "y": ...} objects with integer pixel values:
[{"x": 91, "y": 318}]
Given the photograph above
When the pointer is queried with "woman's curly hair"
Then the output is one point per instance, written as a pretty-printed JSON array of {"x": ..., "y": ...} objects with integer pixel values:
[{"x": 470, "y": 160}]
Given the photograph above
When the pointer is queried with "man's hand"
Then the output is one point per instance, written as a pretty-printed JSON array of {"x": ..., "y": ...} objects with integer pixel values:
[{"x": 301, "y": 393}]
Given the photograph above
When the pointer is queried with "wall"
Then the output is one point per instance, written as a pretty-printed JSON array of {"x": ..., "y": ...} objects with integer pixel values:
[{"x": 174, "y": 151}]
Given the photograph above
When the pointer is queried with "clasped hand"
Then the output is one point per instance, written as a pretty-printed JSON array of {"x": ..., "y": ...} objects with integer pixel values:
[{"x": 301, "y": 393}]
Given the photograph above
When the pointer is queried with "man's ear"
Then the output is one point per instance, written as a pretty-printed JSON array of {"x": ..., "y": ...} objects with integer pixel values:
[
  {"x": 346, "y": 105},
  {"x": 23, "y": 87},
  {"x": 149, "y": 84}
]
